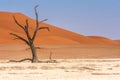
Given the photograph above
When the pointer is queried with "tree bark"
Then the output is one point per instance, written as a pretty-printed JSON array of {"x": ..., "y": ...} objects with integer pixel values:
[{"x": 34, "y": 55}]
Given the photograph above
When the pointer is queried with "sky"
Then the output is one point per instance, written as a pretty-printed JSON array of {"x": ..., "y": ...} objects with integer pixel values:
[{"x": 86, "y": 17}]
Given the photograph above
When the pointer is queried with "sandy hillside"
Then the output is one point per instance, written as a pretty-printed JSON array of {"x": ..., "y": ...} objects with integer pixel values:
[
  {"x": 103, "y": 39},
  {"x": 55, "y": 36},
  {"x": 62, "y": 43},
  {"x": 118, "y": 41}
]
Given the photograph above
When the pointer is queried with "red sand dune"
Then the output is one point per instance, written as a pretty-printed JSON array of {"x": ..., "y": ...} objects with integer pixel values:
[
  {"x": 82, "y": 46},
  {"x": 55, "y": 36},
  {"x": 118, "y": 41}
]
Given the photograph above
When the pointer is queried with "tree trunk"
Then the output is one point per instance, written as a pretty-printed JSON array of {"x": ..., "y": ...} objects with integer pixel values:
[{"x": 34, "y": 55}]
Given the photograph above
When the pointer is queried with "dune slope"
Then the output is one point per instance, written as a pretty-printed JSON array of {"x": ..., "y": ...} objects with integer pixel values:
[
  {"x": 118, "y": 41},
  {"x": 55, "y": 36},
  {"x": 103, "y": 39},
  {"x": 62, "y": 43}
]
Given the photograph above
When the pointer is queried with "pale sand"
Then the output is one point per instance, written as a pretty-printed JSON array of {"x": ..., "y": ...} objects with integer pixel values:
[{"x": 65, "y": 69}]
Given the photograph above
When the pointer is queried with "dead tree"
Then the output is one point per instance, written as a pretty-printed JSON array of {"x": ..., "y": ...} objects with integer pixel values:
[
  {"x": 30, "y": 39},
  {"x": 50, "y": 56}
]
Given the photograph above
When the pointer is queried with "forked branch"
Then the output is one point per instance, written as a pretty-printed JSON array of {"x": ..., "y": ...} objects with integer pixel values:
[
  {"x": 43, "y": 20},
  {"x": 27, "y": 32},
  {"x": 37, "y": 25},
  {"x": 35, "y": 8},
  {"x": 19, "y": 37},
  {"x": 18, "y": 23}
]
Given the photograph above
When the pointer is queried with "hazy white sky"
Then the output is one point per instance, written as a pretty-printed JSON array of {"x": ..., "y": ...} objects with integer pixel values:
[{"x": 87, "y": 17}]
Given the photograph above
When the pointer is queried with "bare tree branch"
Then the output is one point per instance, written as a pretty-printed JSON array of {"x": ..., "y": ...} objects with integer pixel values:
[
  {"x": 37, "y": 23},
  {"x": 35, "y": 8},
  {"x": 19, "y": 37},
  {"x": 43, "y": 20},
  {"x": 24, "y": 28},
  {"x": 18, "y": 23},
  {"x": 27, "y": 32},
  {"x": 26, "y": 59},
  {"x": 27, "y": 22},
  {"x": 34, "y": 35}
]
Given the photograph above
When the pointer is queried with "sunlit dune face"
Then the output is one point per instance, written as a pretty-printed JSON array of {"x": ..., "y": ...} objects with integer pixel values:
[
  {"x": 54, "y": 36},
  {"x": 117, "y": 41},
  {"x": 62, "y": 43}
]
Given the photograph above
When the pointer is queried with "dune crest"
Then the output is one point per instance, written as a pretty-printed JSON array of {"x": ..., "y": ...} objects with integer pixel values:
[
  {"x": 55, "y": 36},
  {"x": 62, "y": 43}
]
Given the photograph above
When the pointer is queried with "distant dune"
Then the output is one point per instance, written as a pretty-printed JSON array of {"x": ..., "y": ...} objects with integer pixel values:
[
  {"x": 62, "y": 43},
  {"x": 118, "y": 41},
  {"x": 55, "y": 36},
  {"x": 103, "y": 39}
]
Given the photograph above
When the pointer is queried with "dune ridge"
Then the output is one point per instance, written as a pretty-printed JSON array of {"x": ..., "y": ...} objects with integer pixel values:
[
  {"x": 62, "y": 43},
  {"x": 55, "y": 36}
]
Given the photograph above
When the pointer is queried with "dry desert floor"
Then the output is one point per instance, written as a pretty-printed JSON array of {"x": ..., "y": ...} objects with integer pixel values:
[
  {"x": 19, "y": 51},
  {"x": 65, "y": 69},
  {"x": 74, "y": 62}
]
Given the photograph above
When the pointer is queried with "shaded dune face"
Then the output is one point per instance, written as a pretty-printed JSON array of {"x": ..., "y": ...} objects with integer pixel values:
[{"x": 54, "y": 36}]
